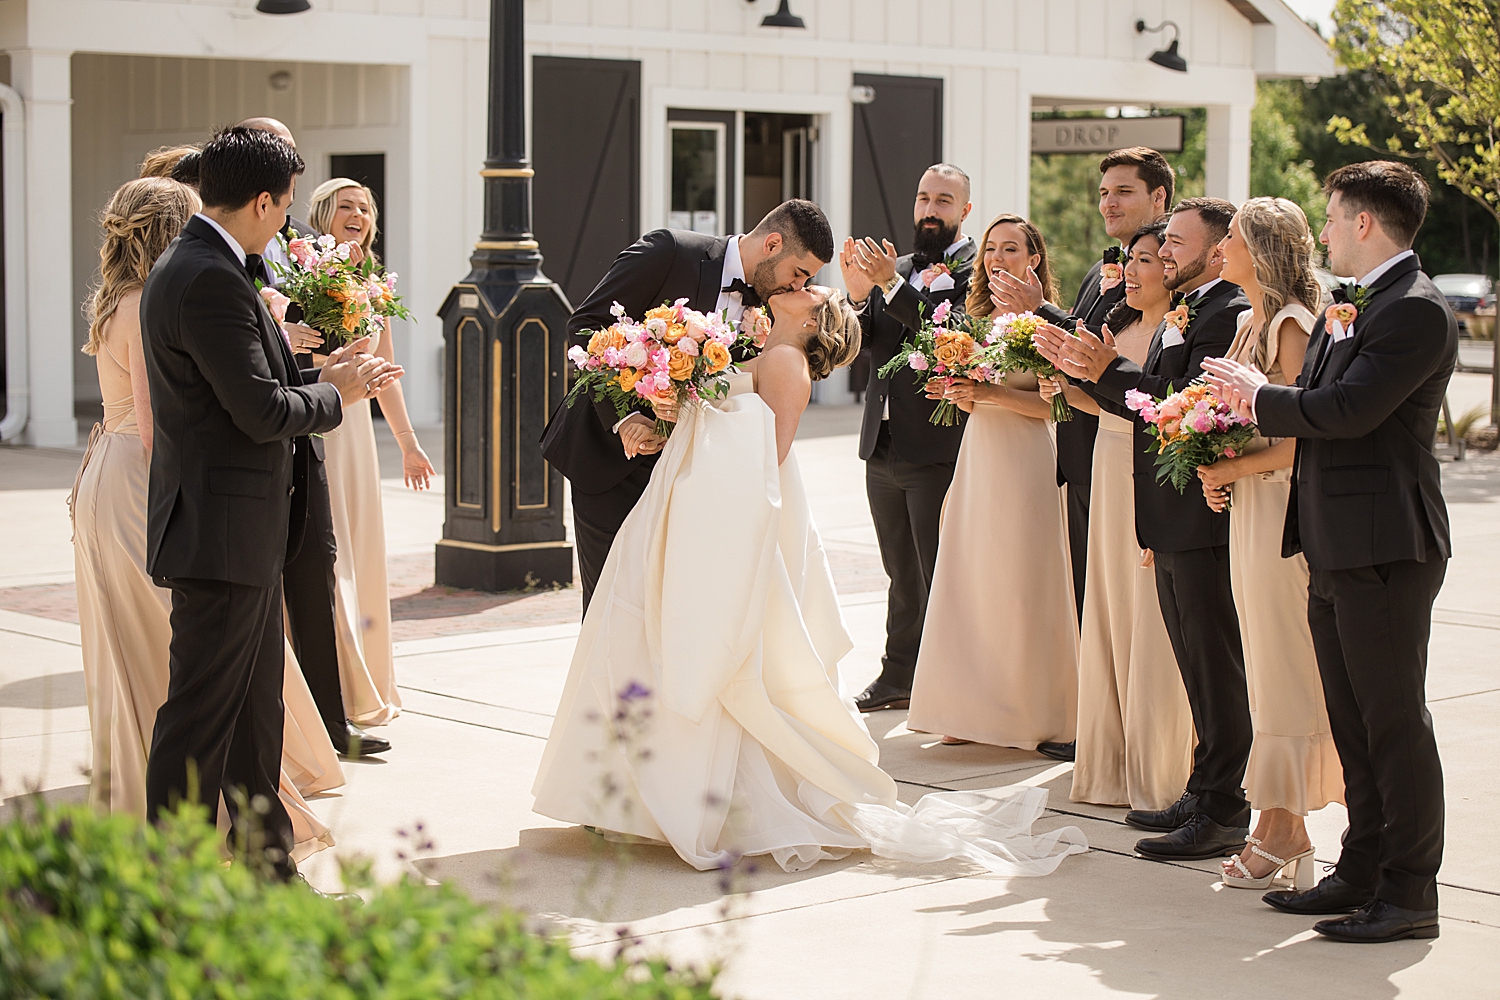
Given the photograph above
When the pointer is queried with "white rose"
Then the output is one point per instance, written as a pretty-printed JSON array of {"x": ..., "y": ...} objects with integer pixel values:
[{"x": 636, "y": 355}]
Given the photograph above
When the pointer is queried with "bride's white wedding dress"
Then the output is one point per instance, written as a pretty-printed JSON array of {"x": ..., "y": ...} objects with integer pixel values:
[{"x": 703, "y": 708}]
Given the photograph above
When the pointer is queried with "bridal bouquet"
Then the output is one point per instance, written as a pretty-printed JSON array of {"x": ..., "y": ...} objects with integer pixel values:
[
  {"x": 948, "y": 347},
  {"x": 1017, "y": 352},
  {"x": 1192, "y": 427},
  {"x": 343, "y": 295},
  {"x": 673, "y": 356}
]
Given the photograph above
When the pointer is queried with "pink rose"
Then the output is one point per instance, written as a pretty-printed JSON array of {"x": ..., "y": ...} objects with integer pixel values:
[
  {"x": 688, "y": 346},
  {"x": 917, "y": 360},
  {"x": 1344, "y": 312},
  {"x": 697, "y": 331},
  {"x": 1229, "y": 453},
  {"x": 1110, "y": 275},
  {"x": 276, "y": 302},
  {"x": 301, "y": 251}
]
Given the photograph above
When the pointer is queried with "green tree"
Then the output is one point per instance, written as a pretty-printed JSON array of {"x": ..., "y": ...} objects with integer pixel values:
[
  {"x": 1436, "y": 67},
  {"x": 1277, "y": 166}
]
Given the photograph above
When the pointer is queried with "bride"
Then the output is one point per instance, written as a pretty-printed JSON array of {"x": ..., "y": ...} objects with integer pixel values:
[{"x": 703, "y": 708}]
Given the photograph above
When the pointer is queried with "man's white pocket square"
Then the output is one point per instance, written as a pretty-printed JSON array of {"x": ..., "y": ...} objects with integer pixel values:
[{"x": 1171, "y": 337}]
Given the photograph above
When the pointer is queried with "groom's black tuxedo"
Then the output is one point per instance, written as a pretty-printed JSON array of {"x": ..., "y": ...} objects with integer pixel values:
[
  {"x": 580, "y": 441},
  {"x": 1367, "y": 509},
  {"x": 909, "y": 461},
  {"x": 1075, "y": 438},
  {"x": 227, "y": 399},
  {"x": 1191, "y": 546}
]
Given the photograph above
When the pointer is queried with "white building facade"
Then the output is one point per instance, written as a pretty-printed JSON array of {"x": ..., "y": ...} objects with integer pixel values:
[{"x": 643, "y": 113}]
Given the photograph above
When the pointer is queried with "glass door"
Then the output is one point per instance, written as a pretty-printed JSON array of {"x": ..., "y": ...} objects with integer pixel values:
[{"x": 696, "y": 199}]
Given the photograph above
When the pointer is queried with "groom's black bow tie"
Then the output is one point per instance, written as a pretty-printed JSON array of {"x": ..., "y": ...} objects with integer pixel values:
[
  {"x": 1341, "y": 293},
  {"x": 748, "y": 295},
  {"x": 255, "y": 266},
  {"x": 1113, "y": 255}
]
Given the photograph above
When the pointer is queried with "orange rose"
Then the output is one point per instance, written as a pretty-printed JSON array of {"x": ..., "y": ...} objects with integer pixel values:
[
  {"x": 675, "y": 332},
  {"x": 680, "y": 366},
  {"x": 717, "y": 356},
  {"x": 660, "y": 312},
  {"x": 954, "y": 349},
  {"x": 628, "y": 378},
  {"x": 599, "y": 342}
]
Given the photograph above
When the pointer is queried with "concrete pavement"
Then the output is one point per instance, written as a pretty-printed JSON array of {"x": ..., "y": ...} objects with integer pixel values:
[{"x": 480, "y": 688}]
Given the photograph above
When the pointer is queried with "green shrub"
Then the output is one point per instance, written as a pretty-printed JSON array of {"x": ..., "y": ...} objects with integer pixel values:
[{"x": 107, "y": 907}]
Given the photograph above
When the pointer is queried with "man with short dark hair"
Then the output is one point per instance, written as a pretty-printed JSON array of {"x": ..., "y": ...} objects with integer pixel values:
[
  {"x": 1188, "y": 542},
  {"x": 226, "y": 400},
  {"x": 1367, "y": 510},
  {"x": 909, "y": 461},
  {"x": 607, "y": 460},
  {"x": 1135, "y": 188}
]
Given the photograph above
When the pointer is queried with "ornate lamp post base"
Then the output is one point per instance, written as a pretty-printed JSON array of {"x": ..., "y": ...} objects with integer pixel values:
[{"x": 505, "y": 330}]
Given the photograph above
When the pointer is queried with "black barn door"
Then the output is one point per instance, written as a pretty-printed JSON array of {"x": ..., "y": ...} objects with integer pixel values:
[
  {"x": 586, "y": 149},
  {"x": 896, "y": 136}
]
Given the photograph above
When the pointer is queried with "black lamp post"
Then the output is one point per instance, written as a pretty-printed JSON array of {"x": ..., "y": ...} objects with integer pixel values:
[{"x": 505, "y": 331}]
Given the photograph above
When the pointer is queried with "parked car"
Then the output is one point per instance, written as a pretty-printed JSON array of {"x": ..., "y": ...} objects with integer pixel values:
[{"x": 1472, "y": 299}]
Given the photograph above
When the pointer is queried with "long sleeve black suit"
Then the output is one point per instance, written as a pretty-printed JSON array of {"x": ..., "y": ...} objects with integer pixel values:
[
  {"x": 1075, "y": 438},
  {"x": 580, "y": 441},
  {"x": 1191, "y": 544},
  {"x": 226, "y": 399},
  {"x": 1367, "y": 510},
  {"x": 909, "y": 461}
]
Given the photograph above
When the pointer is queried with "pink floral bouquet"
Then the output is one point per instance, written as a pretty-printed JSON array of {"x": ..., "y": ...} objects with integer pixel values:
[
  {"x": 947, "y": 347},
  {"x": 1192, "y": 428},
  {"x": 673, "y": 356},
  {"x": 343, "y": 295}
]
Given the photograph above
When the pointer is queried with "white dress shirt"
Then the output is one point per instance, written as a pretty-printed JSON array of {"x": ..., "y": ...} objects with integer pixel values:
[
  {"x": 915, "y": 278},
  {"x": 731, "y": 303},
  {"x": 275, "y": 255},
  {"x": 234, "y": 244}
]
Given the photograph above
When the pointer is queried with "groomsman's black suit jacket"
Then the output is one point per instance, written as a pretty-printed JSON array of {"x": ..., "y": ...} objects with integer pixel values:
[
  {"x": 661, "y": 266},
  {"x": 1366, "y": 489},
  {"x": 885, "y": 326},
  {"x": 226, "y": 399},
  {"x": 1075, "y": 438},
  {"x": 1165, "y": 520}
]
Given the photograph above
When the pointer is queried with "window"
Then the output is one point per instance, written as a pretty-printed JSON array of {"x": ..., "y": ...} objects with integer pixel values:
[{"x": 696, "y": 199}]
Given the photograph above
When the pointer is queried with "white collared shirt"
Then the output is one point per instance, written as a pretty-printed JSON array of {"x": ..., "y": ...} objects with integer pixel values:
[
  {"x": 275, "y": 255},
  {"x": 915, "y": 279},
  {"x": 234, "y": 244},
  {"x": 1380, "y": 270},
  {"x": 1197, "y": 294},
  {"x": 731, "y": 303}
]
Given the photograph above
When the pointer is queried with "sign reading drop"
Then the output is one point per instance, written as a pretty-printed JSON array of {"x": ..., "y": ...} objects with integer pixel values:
[{"x": 1100, "y": 135}]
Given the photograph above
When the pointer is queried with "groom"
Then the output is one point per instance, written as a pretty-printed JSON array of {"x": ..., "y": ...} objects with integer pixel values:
[
  {"x": 1367, "y": 509},
  {"x": 226, "y": 399},
  {"x": 607, "y": 460}
]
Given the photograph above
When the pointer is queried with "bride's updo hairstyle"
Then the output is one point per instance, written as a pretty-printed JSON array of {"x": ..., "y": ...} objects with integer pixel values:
[{"x": 834, "y": 341}]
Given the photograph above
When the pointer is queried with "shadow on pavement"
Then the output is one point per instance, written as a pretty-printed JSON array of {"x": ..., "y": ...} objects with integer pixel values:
[{"x": 45, "y": 692}]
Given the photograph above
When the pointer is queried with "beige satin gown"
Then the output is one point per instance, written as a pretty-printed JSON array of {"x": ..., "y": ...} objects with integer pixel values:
[
  {"x": 362, "y": 601},
  {"x": 1135, "y": 730},
  {"x": 998, "y": 662},
  {"x": 124, "y": 621},
  {"x": 1293, "y": 763}
]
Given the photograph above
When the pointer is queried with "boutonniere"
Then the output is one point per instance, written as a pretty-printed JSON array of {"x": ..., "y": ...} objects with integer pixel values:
[
  {"x": 930, "y": 274},
  {"x": 1182, "y": 317},
  {"x": 1356, "y": 295},
  {"x": 1340, "y": 317},
  {"x": 1111, "y": 273}
]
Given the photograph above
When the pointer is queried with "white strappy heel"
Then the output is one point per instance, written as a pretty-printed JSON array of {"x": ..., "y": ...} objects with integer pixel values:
[{"x": 1302, "y": 866}]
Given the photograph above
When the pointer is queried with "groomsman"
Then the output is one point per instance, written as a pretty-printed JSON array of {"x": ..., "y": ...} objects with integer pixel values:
[
  {"x": 307, "y": 579},
  {"x": 1367, "y": 510},
  {"x": 1188, "y": 542},
  {"x": 908, "y": 461},
  {"x": 607, "y": 460},
  {"x": 1135, "y": 188}
]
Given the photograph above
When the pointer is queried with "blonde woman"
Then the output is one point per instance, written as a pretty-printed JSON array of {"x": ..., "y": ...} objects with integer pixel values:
[
  {"x": 124, "y": 618},
  {"x": 346, "y": 210},
  {"x": 1294, "y": 768},
  {"x": 998, "y": 662}
]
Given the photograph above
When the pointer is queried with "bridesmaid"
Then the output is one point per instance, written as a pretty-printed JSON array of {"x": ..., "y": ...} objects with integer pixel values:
[
  {"x": 998, "y": 662},
  {"x": 1135, "y": 730},
  {"x": 123, "y": 617},
  {"x": 346, "y": 209},
  {"x": 1294, "y": 767}
]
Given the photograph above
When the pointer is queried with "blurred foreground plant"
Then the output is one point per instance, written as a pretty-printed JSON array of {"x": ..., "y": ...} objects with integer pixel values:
[{"x": 108, "y": 907}]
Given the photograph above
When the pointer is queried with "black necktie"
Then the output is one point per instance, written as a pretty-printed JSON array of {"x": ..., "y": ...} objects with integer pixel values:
[
  {"x": 748, "y": 296},
  {"x": 255, "y": 267}
]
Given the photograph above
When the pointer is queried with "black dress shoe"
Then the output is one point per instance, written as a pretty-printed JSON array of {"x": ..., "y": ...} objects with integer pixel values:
[
  {"x": 351, "y": 741},
  {"x": 1201, "y": 838},
  {"x": 882, "y": 695},
  {"x": 1059, "y": 751},
  {"x": 1164, "y": 820},
  {"x": 1378, "y": 922},
  {"x": 1331, "y": 895}
]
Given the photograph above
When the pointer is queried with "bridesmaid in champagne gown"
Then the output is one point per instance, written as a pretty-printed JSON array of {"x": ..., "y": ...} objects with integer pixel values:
[
  {"x": 1294, "y": 767},
  {"x": 124, "y": 618},
  {"x": 1135, "y": 730},
  {"x": 998, "y": 662},
  {"x": 346, "y": 209}
]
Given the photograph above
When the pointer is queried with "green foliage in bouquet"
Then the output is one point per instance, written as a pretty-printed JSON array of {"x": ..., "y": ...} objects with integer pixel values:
[
  {"x": 104, "y": 906},
  {"x": 1019, "y": 354},
  {"x": 342, "y": 300}
]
